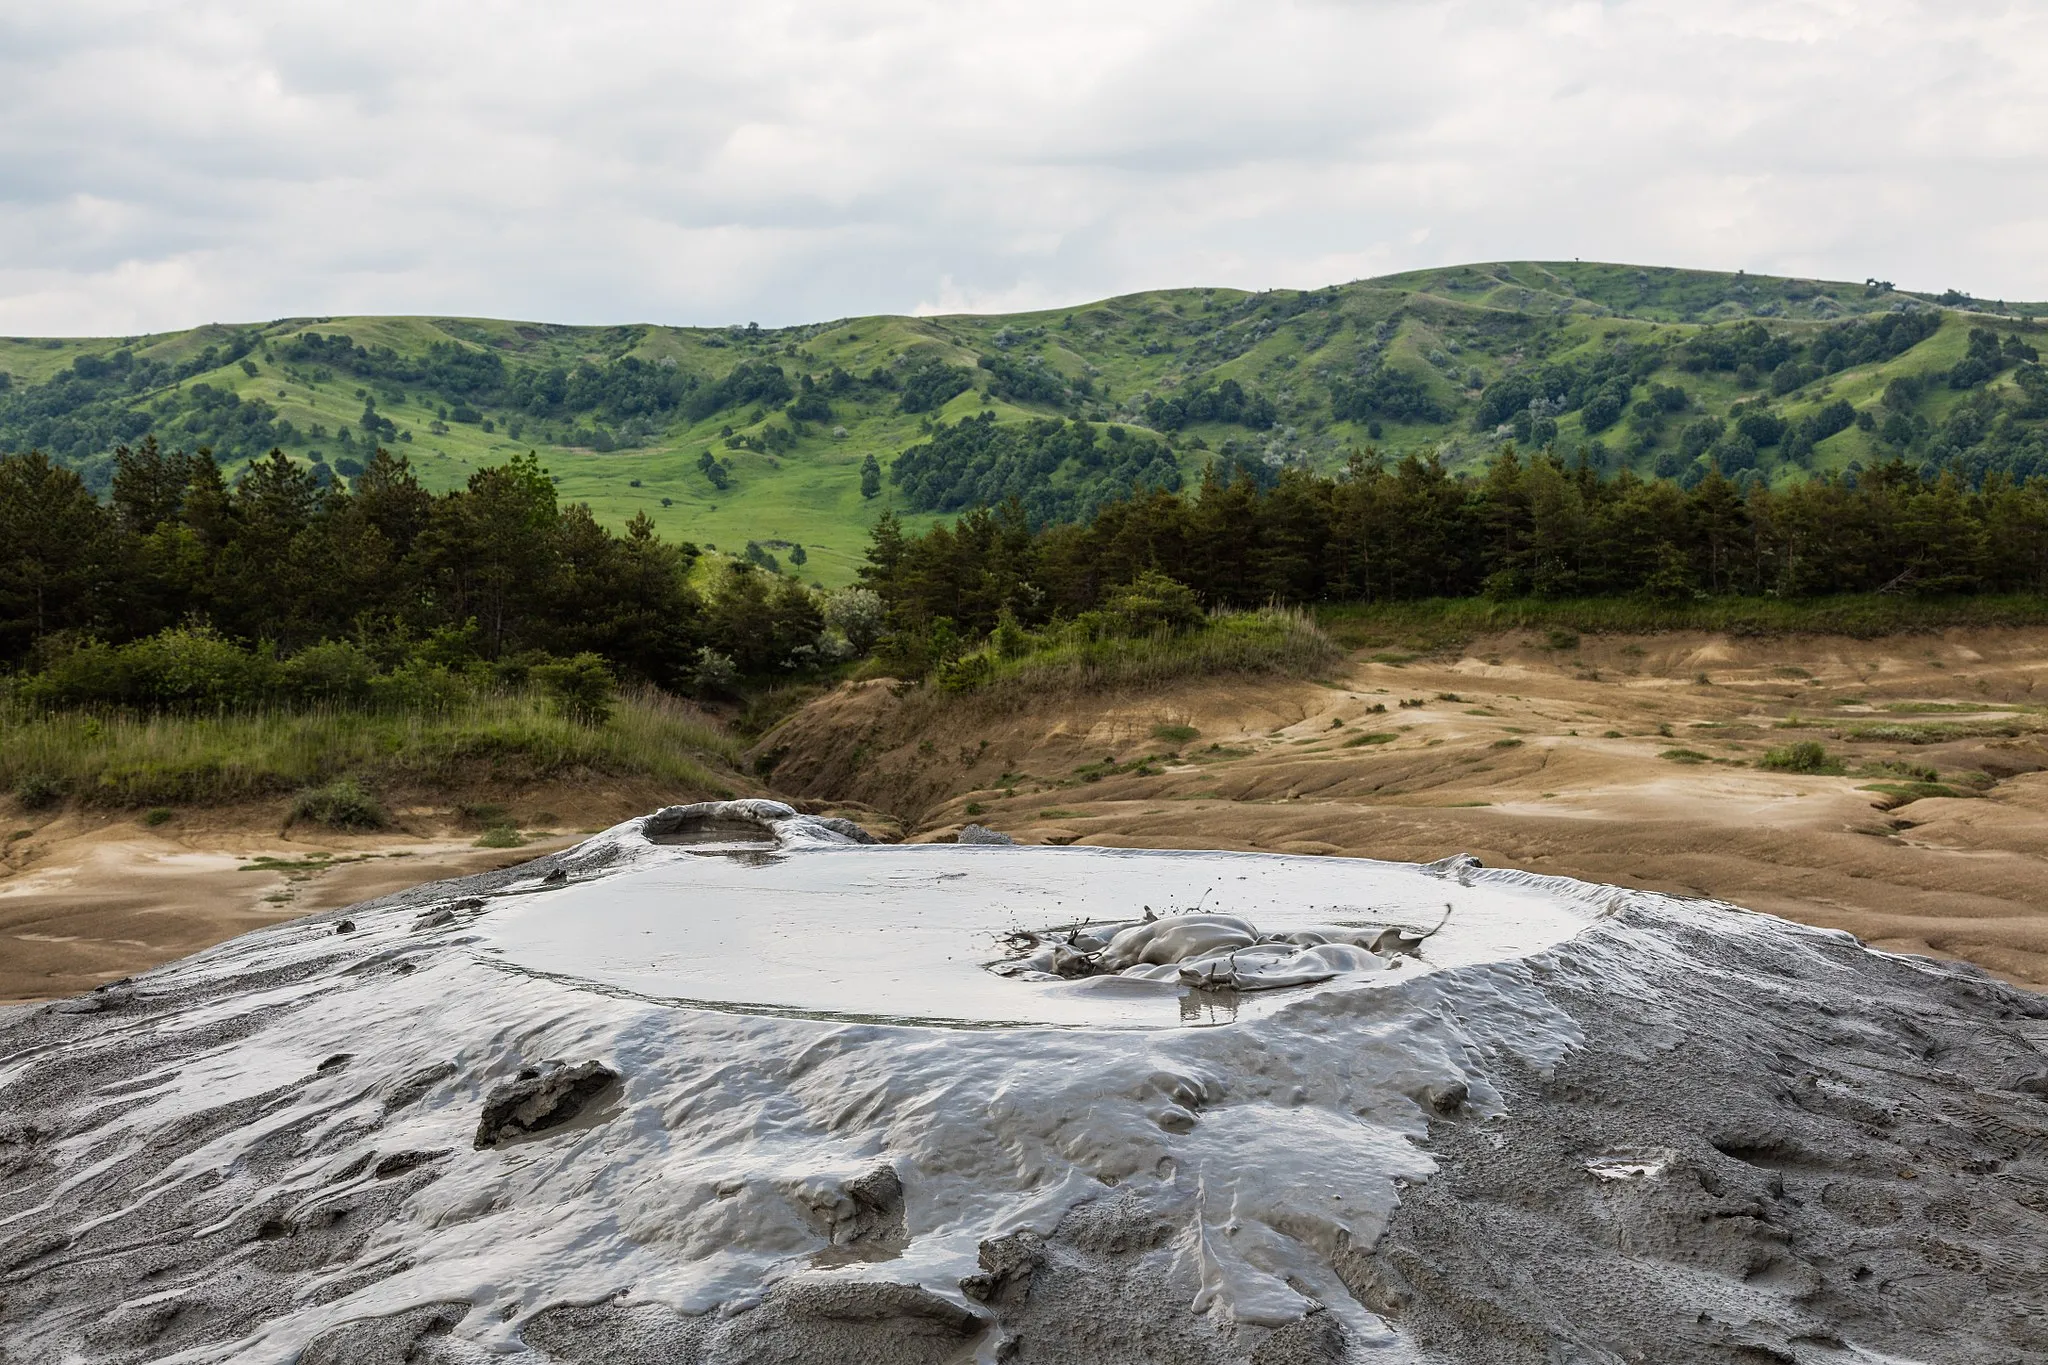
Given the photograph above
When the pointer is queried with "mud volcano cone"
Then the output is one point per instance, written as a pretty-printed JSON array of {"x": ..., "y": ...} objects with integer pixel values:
[{"x": 730, "y": 1084}]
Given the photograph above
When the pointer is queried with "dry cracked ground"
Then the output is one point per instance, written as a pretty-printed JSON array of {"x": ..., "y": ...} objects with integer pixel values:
[{"x": 1635, "y": 761}]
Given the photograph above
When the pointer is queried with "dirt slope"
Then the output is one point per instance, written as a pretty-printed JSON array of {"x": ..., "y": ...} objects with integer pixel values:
[{"x": 1536, "y": 757}]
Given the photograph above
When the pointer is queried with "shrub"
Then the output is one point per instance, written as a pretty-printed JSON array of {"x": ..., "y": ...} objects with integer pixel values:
[
  {"x": 1155, "y": 602},
  {"x": 418, "y": 685},
  {"x": 856, "y": 613},
  {"x": 581, "y": 688},
  {"x": 499, "y": 836},
  {"x": 337, "y": 671},
  {"x": 160, "y": 815},
  {"x": 1175, "y": 734},
  {"x": 341, "y": 804},
  {"x": 966, "y": 674},
  {"x": 1807, "y": 756},
  {"x": 1684, "y": 756},
  {"x": 38, "y": 791},
  {"x": 1917, "y": 772},
  {"x": 715, "y": 674},
  {"x": 173, "y": 668}
]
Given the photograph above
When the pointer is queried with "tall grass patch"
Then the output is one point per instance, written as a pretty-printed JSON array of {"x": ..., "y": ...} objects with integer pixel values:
[
  {"x": 122, "y": 759},
  {"x": 1806, "y": 756},
  {"x": 1080, "y": 657}
]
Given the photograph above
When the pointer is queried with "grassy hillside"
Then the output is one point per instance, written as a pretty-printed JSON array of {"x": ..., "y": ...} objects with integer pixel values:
[{"x": 1634, "y": 365}]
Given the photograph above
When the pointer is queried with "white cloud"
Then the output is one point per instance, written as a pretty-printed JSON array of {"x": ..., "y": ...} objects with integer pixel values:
[{"x": 164, "y": 164}]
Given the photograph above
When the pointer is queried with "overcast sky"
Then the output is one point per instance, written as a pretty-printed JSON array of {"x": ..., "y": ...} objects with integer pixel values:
[{"x": 164, "y": 164}]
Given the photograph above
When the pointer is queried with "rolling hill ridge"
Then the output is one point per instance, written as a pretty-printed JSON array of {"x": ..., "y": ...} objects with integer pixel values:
[{"x": 796, "y": 439}]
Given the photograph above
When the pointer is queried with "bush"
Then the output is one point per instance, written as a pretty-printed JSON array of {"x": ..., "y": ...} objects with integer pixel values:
[
  {"x": 581, "y": 688},
  {"x": 715, "y": 674},
  {"x": 38, "y": 791},
  {"x": 1155, "y": 602},
  {"x": 192, "y": 668},
  {"x": 337, "y": 671},
  {"x": 341, "y": 804},
  {"x": 966, "y": 674},
  {"x": 1807, "y": 756},
  {"x": 418, "y": 685},
  {"x": 856, "y": 613}
]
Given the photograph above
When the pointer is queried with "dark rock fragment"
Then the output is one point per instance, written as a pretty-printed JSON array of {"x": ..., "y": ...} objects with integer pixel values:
[
  {"x": 102, "y": 999},
  {"x": 878, "y": 1198},
  {"x": 1006, "y": 1266},
  {"x": 445, "y": 914},
  {"x": 1446, "y": 1099},
  {"x": 347, "y": 926},
  {"x": 540, "y": 1098}
]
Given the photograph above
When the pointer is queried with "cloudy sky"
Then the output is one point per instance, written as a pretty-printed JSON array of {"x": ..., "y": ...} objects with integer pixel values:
[{"x": 164, "y": 163}]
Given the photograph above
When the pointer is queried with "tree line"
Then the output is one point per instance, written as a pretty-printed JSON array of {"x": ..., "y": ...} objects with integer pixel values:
[
  {"x": 498, "y": 570},
  {"x": 1528, "y": 526}
]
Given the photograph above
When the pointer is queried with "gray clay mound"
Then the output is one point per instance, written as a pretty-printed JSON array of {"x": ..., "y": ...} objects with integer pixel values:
[{"x": 613, "y": 1108}]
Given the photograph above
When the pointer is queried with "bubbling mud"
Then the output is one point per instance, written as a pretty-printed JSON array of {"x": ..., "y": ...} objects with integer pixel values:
[{"x": 1208, "y": 952}]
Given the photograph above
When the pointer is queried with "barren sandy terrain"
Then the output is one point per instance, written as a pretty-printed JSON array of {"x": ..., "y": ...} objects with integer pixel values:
[
  {"x": 1529, "y": 755},
  {"x": 90, "y": 897},
  {"x": 1616, "y": 759}
]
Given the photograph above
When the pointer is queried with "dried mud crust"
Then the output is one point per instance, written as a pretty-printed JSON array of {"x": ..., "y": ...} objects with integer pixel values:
[
  {"x": 1824, "y": 1167},
  {"x": 1763, "y": 1150}
]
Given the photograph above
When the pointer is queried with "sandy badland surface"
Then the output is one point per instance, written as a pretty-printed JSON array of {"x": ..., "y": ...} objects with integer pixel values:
[
  {"x": 1522, "y": 753},
  {"x": 90, "y": 897},
  {"x": 1532, "y": 756}
]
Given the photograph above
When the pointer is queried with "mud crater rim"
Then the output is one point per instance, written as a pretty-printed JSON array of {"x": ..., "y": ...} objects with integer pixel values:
[{"x": 726, "y": 919}]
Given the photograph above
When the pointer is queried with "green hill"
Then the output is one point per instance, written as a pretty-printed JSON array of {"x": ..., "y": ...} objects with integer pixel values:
[{"x": 729, "y": 435}]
